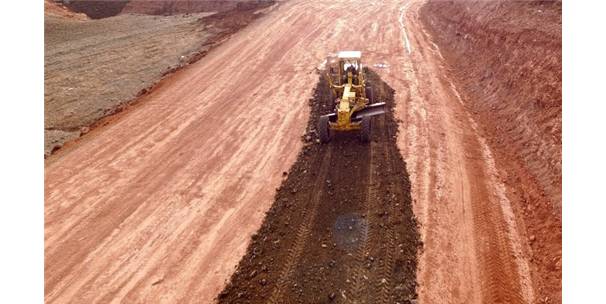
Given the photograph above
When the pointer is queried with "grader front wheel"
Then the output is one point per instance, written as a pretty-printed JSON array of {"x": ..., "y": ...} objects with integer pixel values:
[{"x": 323, "y": 129}]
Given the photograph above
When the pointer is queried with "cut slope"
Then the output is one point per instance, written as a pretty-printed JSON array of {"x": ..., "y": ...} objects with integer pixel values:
[
  {"x": 173, "y": 7},
  {"x": 508, "y": 58},
  {"x": 505, "y": 58},
  {"x": 54, "y": 9},
  {"x": 97, "y": 9},
  {"x": 93, "y": 68},
  {"x": 96, "y": 68}
]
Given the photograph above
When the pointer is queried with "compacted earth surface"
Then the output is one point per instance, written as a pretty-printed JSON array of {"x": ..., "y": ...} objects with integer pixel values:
[
  {"x": 94, "y": 68},
  {"x": 160, "y": 202},
  {"x": 341, "y": 228}
]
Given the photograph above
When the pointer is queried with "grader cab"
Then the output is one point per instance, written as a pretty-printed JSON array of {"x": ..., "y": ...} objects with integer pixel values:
[{"x": 352, "y": 95}]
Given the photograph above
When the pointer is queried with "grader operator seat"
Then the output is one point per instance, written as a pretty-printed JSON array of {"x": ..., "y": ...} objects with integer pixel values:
[{"x": 350, "y": 65}]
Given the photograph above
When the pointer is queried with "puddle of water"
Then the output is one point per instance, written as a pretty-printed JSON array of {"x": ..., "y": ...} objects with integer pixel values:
[{"x": 350, "y": 231}]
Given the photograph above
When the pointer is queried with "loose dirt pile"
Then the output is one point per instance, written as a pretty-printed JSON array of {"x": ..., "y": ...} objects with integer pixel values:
[
  {"x": 341, "y": 228},
  {"x": 505, "y": 57},
  {"x": 94, "y": 68}
]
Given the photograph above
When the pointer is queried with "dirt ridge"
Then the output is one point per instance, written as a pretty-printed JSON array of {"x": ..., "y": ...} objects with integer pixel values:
[{"x": 329, "y": 237}]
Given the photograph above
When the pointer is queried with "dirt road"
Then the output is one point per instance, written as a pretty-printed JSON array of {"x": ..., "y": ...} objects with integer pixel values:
[{"x": 161, "y": 202}]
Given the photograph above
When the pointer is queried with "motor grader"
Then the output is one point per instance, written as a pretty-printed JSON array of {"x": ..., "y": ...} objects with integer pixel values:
[{"x": 352, "y": 95}]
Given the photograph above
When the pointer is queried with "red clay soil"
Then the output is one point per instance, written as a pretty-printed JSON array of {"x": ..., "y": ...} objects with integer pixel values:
[
  {"x": 341, "y": 228},
  {"x": 159, "y": 206},
  {"x": 505, "y": 56}
]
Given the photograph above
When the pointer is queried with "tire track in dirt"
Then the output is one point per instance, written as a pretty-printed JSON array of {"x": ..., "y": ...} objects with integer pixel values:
[
  {"x": 388, "y": 159},
  {"x": 303, "y": 233},
  {"x": 388, "y": 265},
  {"x": 355, "y": 238},
  {"x": 360, "y": 272}
]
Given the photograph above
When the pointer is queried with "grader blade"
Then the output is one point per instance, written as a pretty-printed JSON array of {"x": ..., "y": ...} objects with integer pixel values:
[{"x": 369, "y": 111}]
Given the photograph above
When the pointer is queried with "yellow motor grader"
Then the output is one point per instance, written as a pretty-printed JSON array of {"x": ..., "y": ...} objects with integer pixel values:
[{"x": 354, "y": 101}]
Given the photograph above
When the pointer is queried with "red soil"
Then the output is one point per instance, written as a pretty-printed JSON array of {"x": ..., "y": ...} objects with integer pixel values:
[
  {"x": 195, "y": 195},
  {"x": 505, "y": 58}
]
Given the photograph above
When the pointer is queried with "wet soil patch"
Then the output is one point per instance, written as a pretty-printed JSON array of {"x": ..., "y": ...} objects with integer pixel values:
[{"x": 341, "y": 229}]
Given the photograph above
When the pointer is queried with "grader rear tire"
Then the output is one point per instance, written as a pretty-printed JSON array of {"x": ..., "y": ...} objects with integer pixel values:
[
  {"x": 323, "y": 129},
  {"x": 365, "y": 131}
]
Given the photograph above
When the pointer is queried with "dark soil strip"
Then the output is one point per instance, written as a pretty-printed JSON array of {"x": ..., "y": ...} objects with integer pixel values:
[
  {"x": 96, "y": 9},
  {"x": 341, "y": 229}
]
